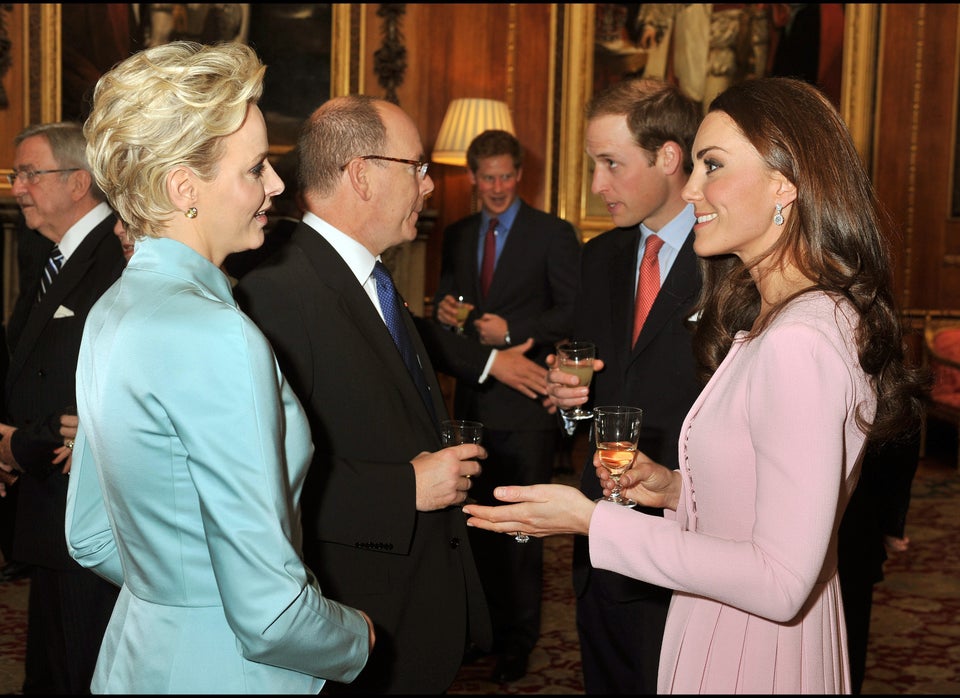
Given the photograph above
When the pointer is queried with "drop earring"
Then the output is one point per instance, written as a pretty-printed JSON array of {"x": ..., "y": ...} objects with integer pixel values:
[
  {"x": 778, "y": 216},
  {"x": 192, "y": 212}
]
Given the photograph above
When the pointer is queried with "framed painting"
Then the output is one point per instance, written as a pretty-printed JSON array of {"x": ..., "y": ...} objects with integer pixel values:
[
  {"x": 602, "y": 43},
  {"x": 312, "y": 51},
  {"x": 65, "y": 47}
]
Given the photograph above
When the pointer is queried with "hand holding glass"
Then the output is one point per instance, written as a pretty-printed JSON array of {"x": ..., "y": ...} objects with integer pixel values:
[
  {"x": 617, "y": 430},
  {"x": 454, "y": 432},
  {"x": 576, "y": 358}
]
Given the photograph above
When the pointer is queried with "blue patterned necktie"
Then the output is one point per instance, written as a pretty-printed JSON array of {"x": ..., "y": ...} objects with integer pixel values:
[
  {"x": 50, "y": 270},
  {"x": 392, "y": 308}
]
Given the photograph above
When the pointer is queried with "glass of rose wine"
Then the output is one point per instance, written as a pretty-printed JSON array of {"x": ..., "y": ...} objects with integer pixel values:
[
  {"x": 616, "y": 430},
  {"x": 576, "y": 358}
]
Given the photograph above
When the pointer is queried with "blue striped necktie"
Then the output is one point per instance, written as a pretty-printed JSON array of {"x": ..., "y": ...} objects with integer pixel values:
[
  {"x": 50, "y": 270},
  {"x": 392, "y": 308}
]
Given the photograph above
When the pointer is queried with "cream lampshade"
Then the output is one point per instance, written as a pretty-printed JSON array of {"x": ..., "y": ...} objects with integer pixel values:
[{"x": 465, "y": 120}]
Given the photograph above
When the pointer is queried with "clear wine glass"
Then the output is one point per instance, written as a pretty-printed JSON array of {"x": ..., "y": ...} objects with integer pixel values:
[
  {"x": 461, "y": 431},
  {"x": 576, "y": 358},
  {"x": 616, "y": 430}
]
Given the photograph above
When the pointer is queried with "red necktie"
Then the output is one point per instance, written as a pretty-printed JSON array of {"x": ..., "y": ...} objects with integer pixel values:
[
  {"x": 648, "y": 284},
  {"x": 489, "y": 257}
]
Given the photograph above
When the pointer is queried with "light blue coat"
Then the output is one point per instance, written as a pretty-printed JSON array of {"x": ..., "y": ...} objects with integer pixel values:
[{"x": 185, "y": 490}]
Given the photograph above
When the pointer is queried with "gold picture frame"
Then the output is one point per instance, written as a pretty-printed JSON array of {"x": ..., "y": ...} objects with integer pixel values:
[
  {"x": 43, "y": 50},
  {"x": 858, "y": 87},
  {"x": 39, "y": 36}
]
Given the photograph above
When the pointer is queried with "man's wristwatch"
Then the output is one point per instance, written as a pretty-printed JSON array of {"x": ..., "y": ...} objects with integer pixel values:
[{"x": 506, "y": 338}]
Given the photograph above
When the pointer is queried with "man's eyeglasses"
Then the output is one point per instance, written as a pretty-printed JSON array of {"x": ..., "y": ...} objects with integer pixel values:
[
  {"x": 419, "y": 167},
  {"x": 31, "y": 176}
]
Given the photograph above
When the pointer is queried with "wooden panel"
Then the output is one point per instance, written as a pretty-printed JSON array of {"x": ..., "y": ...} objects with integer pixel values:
[
  {"x": 915, "y": 123},
  {"x": 496, "y": 51},
  {"x": 896, "y": 114},
  {"x": 13, "y": 116}
]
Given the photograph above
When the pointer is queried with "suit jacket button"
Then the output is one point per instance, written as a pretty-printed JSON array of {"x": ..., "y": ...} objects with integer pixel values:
[{"x": 454, "y": 543}]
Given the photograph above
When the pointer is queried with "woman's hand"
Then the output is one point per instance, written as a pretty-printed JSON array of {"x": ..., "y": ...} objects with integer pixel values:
[
  {"x": 647, "y": 483},
  {"x": 540, "y": 510}
]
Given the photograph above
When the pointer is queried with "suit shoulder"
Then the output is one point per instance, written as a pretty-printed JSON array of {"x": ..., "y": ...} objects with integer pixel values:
[
  {"x": 615, "y": 237},
  {"x": 278, "y": 265},
  {"x": 544, "y": 217}
]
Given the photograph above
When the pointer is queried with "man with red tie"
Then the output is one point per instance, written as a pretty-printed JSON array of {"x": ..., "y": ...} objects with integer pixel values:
[
  {"x": 517, "y": 269},
  {"x": 638, "y": 285}
]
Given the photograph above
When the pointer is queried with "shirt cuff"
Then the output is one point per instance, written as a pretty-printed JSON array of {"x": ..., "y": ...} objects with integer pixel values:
[{"x": 486, "y": 369}]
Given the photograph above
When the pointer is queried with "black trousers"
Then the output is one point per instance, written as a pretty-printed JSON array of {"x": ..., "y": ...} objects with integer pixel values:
[
  {"x": 620, "y": 641},
  {"x": 511, "y": 572},
  {"x": 67, "y": 615}
]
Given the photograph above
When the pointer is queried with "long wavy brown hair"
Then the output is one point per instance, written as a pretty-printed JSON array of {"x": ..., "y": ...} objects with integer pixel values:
[{"x": 837, "y": 236}]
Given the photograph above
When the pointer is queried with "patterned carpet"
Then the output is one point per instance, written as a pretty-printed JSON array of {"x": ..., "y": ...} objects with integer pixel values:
[
  {"x": 915, "y": 635},
  {"x": 915, "y": 627}
]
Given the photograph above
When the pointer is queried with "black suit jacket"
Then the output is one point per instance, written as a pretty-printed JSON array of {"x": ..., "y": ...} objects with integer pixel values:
[
  {"x": 533, "y": 289},
  {"x": 41, "y": 383},
  {"x": 658, "y": 375},
  {"x": 412, "y": 572}
]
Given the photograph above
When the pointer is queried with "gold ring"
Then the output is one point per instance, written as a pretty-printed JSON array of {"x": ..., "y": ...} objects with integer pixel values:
[{"x": 69, "y": 444}]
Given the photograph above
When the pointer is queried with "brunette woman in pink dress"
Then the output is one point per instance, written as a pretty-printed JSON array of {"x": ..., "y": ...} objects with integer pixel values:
[{"x": 800, "y": 338}]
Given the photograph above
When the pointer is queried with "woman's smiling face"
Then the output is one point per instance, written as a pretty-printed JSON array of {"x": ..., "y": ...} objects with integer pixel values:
[{"x": 733, "y": 191}]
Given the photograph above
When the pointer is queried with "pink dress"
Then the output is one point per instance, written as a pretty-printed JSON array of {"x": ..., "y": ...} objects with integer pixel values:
[{"x": 769, "y": 454}]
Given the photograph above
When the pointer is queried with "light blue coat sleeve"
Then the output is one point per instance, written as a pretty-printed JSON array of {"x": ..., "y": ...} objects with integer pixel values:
[{"x": 186, "y": 482}]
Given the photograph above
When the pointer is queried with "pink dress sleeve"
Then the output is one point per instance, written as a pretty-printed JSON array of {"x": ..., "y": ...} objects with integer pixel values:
[{"x": 768, "y": 454}]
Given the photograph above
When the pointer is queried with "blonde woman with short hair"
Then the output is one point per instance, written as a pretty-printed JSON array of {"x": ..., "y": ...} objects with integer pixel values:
[{"x": 192, "y": 450}]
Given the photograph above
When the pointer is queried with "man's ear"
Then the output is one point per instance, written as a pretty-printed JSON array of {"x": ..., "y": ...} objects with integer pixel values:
[
  {"x": 81, "y": 182},
  {"x": 358, "y": 172},
  {"x": 670, "y": 157},
  {"x": 182, "y": 188}
]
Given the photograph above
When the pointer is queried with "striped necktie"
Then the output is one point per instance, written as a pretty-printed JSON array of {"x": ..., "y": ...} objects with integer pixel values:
[
  {"x": 50, "y": 270},
  {"x": 648, "y": 284}
]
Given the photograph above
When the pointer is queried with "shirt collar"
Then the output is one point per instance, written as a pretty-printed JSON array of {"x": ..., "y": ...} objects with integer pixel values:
[
  {"x": 356, "y": 256},
  {"x": 505, "y": 219},
  {"x": 79, "y": 230},
  {"x": 674, "y": 233}
]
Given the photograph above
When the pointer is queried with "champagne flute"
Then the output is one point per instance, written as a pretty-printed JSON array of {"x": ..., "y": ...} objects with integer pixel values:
[
  {"x": 463, "y": 311},
  {"x": 576, "y": 358},
  {"x": 616, "y": 430},
  {"x": 461, "y": 431}
]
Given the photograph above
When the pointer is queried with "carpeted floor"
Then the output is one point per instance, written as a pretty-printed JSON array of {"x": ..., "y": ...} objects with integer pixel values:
[
  {"x": 915, "y": 635},
  {"x": 915, "y": 627}
]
